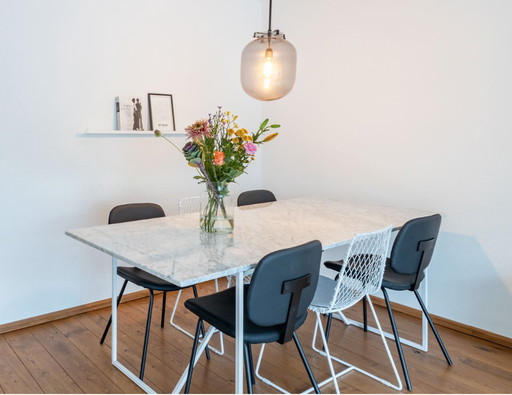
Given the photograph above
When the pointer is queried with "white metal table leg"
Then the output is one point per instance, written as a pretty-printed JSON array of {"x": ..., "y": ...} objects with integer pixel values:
[
  {"x": 114, "y": 310},
  {"x": 424, "y": 323},
  {"x": 239, "y": 334}
]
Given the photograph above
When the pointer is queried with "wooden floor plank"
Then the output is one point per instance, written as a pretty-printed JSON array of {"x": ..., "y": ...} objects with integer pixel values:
[
  {"x": 14, "y": 377},
  {"x": 44, "y": 369},
  {"x": 87, "y": 343},
  {"x": 84, "y": 373},
  {"x": 128, "y": 351}
]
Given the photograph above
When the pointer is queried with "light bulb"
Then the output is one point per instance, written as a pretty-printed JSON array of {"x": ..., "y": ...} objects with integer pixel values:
[{"x": 268, "y": 68}]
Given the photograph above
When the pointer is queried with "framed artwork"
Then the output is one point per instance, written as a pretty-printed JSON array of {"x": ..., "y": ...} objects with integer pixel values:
[
  {"x": 130, "y": 114},
  {"x": 161, "y": 112}
]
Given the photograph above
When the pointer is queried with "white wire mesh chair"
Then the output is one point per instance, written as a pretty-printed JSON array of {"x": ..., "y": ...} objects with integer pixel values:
[
  {"x": 190, "y": 204},
  {"x": 361, "y": 275},
  {"x": 185, "y": 206}
]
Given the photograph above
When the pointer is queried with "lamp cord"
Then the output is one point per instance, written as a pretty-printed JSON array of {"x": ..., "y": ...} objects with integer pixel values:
[{"x": 270, "y": 18}]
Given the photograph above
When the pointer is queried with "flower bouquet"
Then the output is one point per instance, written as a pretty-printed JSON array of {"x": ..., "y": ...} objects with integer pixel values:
[{"x": 220, "y": 151}]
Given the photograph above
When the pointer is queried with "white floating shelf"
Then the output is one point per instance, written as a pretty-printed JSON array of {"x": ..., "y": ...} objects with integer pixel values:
[{"x": 128, "y": 133}]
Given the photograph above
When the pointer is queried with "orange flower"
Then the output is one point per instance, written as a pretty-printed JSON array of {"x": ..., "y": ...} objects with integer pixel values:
[{"x": 218, "y": 158}]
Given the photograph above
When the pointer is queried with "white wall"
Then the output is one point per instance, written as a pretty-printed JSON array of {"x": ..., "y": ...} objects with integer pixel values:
[
  {"x": 62, "y": 64},
  {"x": 399, "y": 102},
  {"x": 408, "y": 103}
]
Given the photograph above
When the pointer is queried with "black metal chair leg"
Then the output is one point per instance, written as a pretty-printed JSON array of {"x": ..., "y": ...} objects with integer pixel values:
[
  {"x": 306, "y": 364},
  {"x": 365, "y": 315},
  {"x": 397, "y": 340},
  {"x": 110, "y": 319},
  {"x": 203, "y": 332},
  {"x": 146, "y": 335},
  {"x": 193, "y": 357},
  {"x": 432, "y": 326},
  {"x": 328, "y": 326},
  {"x": 164, "y": 300},
  {"x": 248, "y": 368},
  {"x": 251, "y": 363}
]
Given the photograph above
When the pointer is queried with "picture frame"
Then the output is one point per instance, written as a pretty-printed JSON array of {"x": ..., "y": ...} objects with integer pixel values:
[{"x": 161, "y": 112}]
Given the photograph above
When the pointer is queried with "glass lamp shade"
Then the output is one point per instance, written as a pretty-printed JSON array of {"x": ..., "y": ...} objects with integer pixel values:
[{"x": 268, "y": 67}]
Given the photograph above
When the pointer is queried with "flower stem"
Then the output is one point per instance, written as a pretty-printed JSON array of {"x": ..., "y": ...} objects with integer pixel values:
[{"x": 170, "y": 142}]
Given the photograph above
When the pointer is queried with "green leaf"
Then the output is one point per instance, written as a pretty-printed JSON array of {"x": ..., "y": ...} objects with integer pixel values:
[
  {"x": 263, "y": 124},
  {"x": 275, "y": 126}
]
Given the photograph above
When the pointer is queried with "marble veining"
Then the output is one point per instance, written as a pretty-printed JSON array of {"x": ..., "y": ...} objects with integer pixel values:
[{"x": 174, "y": 248}]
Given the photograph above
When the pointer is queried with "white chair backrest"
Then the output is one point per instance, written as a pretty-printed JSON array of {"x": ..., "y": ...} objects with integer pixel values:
[
  {"x": 189, "y": 205},
  {"x": 363, "y": 268}
]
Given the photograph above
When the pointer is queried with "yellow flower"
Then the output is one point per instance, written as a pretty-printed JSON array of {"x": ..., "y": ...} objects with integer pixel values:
[
  {"x": 270, "y": 137},
  {"x": 231, "y": 132},
  {"x": 235, "y": 140}
]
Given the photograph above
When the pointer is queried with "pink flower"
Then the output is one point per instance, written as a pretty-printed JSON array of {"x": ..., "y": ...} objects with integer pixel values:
[
  {"x": 250, "y": 148},
  {"x": 198, "y": 129},
  {"x": 218, "y": 158}
]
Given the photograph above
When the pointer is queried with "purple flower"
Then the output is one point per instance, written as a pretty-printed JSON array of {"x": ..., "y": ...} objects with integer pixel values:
[{"x": 250, "y": 148}]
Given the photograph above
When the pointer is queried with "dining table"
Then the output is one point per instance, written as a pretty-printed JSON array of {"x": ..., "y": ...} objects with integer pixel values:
[{"x": 175, "y": 249}]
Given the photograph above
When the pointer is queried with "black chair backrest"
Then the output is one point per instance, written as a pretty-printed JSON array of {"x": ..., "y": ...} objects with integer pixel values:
[
  {"x": 135, "y": 212},
  {"x": 283, "y": 285},
  {"x": 414, "y": 245},
  {"x": 254, "y": 197}
]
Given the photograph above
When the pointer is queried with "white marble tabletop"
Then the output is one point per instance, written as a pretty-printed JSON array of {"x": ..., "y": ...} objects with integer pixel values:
[{"x": 174, "y": 248}]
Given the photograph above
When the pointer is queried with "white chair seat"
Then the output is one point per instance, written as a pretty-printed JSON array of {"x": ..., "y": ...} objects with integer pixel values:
[{"x": 323, "y": 295}]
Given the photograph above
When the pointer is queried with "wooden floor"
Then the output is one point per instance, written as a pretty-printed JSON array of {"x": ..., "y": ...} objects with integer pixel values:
[{"x": 65, "y": 357}]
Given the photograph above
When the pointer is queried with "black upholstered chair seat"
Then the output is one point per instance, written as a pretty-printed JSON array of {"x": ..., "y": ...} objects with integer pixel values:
[
  {"x": 219, "y": 311},
  {"x": 334, "y": 265},
  {"x": 145, "y": 279},
  {"x": 399, "y": 282}
]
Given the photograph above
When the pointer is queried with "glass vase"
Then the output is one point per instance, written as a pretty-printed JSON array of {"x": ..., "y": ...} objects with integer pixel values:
[{"x": 217, "y": 209}]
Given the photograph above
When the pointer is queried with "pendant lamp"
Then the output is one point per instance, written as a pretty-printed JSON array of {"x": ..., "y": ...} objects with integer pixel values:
[{"x": 268, "y": 64}]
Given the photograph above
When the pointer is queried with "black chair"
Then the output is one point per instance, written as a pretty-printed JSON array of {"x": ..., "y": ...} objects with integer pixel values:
[
  {"x": 254, "y": 197},
  {"x": 405, "y": 270},
  {"x": 276, "y": 303},
  {"x": 136, "y": 212}
]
